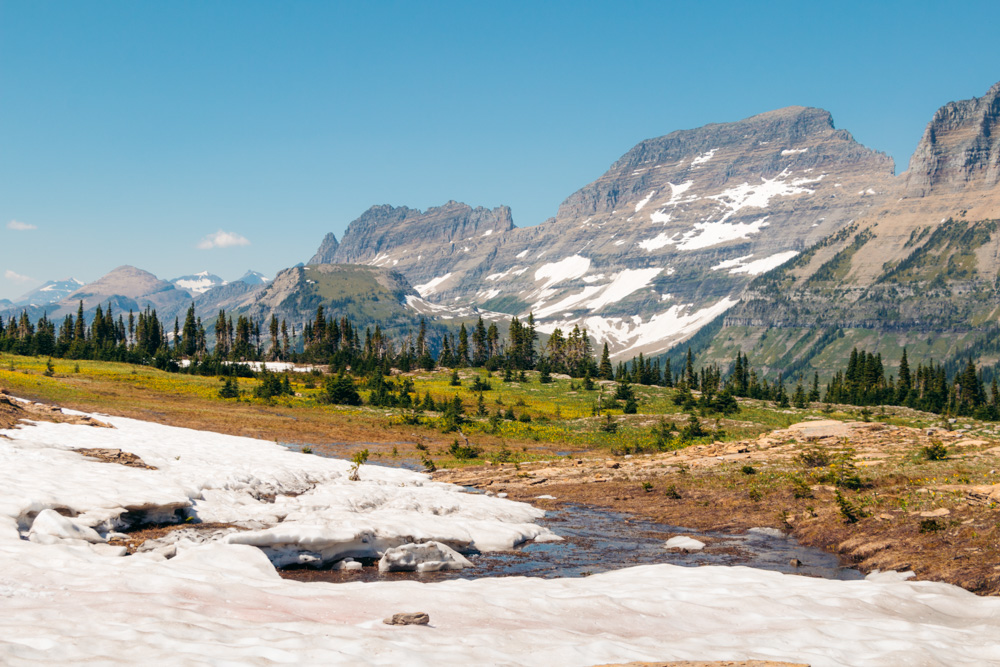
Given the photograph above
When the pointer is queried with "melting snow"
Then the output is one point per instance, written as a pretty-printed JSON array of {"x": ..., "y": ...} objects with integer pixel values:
[
  {"x": 522, "y": 254},
  {"x": 569, "y": 268},
  {"x": 660, "y": 240},
  {"x": 740, "y": 265},
  {"x": 431, "y": 286},
  {"x": 487, "y": 232},
  {"x": 644, "y": 201},
  {"x": 760, "y": 195},
  {"x": 704, "y": 157},
  {"x": 70, "y": 601},
  {"x": 625, "y": 283},
  {"x": 793, "y": 151}
]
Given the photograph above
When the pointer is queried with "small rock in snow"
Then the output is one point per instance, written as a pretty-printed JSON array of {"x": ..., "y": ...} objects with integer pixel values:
[{"x": 418, "y": 618}]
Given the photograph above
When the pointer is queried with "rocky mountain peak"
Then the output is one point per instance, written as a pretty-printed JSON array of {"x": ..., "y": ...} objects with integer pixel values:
[
  {"x": 383, "y": 229},
  {"x": 960, "y": 149},
  {"x": 327, "y": 250}
]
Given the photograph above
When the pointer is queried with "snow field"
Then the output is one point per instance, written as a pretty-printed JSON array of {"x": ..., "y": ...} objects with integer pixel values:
[{"x": 63, "y": 600}]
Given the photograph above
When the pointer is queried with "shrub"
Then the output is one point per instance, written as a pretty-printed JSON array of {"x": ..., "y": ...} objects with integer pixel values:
[
  {"x": 800, "y": 488},
  {"x": 340, "y": 390},
  {"x": 463, "y": 452},
  {"x": 748, "y": 470},
  {"x": 848, "y": 511},
  {"x": 936, "y": 451},
  {"x": 357, "y": 461},
  {"x": 814, "y": 457},
  {"x": 609, "y": 425},
  {"x": 672, "y": 493},
  {"x": 230, "y": 389}
]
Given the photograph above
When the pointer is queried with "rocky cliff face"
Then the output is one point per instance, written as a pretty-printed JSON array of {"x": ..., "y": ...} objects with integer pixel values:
[
  {"x": 659, "y": 245},
  {"x": 919, "y": 271},
  {"x": 441, "y": 232},
  {"x": 960, "y": 149}
]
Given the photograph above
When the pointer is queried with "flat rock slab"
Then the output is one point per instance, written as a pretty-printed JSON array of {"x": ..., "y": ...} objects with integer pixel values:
[
  {"x": 826, "y": 428},
  {"x": 418, "y": 618}
]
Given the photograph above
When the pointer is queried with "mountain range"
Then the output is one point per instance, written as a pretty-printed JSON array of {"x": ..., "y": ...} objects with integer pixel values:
[{"x": 779, "y": 235}]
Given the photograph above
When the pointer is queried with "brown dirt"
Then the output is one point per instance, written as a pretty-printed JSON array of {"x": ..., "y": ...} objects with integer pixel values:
[
  {"x": 136, "y": 538},
  {"x": 12, "y": 412},
  {"x": 945, "y": 533},
  {"x": 115, "y": 456}
]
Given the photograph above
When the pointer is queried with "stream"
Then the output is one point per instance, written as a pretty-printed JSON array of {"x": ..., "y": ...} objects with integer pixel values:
[{"x": 597, "y": 540}]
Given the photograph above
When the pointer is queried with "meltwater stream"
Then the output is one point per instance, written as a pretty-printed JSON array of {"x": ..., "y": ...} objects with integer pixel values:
[{"x": 597, "y": 540}]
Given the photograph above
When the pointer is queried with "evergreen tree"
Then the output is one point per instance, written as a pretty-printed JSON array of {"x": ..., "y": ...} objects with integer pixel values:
[{"x": 605, "y": 371}]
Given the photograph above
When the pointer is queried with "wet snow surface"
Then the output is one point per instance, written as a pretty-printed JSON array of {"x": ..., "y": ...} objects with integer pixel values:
[{"x": 67, "y": 597}]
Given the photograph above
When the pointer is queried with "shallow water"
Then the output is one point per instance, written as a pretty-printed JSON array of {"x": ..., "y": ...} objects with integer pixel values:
[{"x": 597, "y": 540}]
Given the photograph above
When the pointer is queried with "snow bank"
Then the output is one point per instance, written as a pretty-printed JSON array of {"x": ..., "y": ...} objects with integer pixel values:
[
  {"x": 426, "y": 557},
  {"x": 220, "y": 602},
  {"x": 684, "y": 542},
  {"x": 298, "y": 508}
]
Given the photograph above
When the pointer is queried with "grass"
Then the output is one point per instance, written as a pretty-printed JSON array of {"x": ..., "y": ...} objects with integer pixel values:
[{"x": 563, "y": 417}]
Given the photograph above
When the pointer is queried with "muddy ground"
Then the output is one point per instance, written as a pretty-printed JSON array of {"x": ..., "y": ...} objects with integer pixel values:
[{"x": 877, "y": 501}]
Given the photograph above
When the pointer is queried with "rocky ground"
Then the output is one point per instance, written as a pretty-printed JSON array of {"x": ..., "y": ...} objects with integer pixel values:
[{"x": 866, "y": 491}]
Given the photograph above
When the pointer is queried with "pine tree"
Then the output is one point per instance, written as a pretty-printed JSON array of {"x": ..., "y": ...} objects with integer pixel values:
[{"x": 605, "y": 370}]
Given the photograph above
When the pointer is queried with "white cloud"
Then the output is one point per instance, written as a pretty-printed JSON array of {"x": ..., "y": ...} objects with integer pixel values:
[
  {"x": 15, "y": 277},
  {"x": 19, "y": 226},
  {"x": 221, "y": 239}
]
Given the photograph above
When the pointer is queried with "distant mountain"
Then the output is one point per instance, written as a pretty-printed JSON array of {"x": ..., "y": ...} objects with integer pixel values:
[
  {"x": 657, "y": 247},
  {"x": 198, "y": 283},
  {"x": 366, "y": 295},
  {"x": 253, "y": 278},
  {"x": 5, "y": 303},
  {"x": 919, "y": 271},
  {"x": 125, "y": 288},
  {"x": 51, "y": 292}
]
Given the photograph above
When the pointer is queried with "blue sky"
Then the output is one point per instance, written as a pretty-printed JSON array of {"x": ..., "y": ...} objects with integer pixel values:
[{"x": 135, "y": 132}]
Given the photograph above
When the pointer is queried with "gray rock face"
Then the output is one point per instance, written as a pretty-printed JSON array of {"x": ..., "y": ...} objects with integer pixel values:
[
  {"x": 960, "y": 148},
  {"x": 655, "y": 248},
  {"x": 384, "y": 229}
]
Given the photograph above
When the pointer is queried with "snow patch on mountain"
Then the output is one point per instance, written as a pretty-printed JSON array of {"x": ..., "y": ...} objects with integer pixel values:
[
  {"x": 704, "y": 157},
  {"x": 431, "y": 286},
  {"x": 644, "y": 201},
  {"x": 574, "y": 266},
  {"x": 199, "y": 283},
  {"x": 760, "y": 195},
  {"x": 756, "y": 267}
]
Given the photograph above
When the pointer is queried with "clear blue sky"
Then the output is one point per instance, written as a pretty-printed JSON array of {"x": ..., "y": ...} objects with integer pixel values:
[{"x": 130, "y": 131}]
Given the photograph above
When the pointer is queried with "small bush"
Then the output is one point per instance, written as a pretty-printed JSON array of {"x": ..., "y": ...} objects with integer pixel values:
[
  {"x": 647, "y": 486},
  {"x": 848, "y": 511},
  {"x": 358, "y": 460},
  {"x": 672, "y": 493},
  {"x": 463, "y": 452},
  {"x": 230, "y": 389},
  {"x": 609, "y": 425},
  {"x": 800, "y": 488},
  {"x": 748, "y": 470},
  {"x": 936, "y": 451},
  {"x": 814, "y": 457},
  {"x": 930, "y": 526}
]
